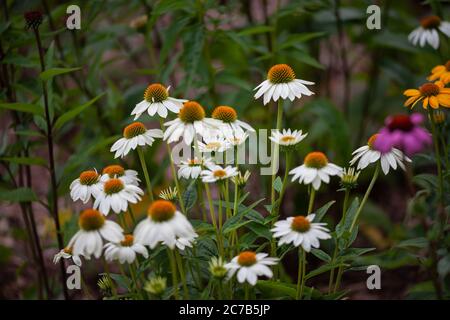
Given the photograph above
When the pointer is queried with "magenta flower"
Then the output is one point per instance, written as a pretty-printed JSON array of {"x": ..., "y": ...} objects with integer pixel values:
[{"x": 403, "y": 132}]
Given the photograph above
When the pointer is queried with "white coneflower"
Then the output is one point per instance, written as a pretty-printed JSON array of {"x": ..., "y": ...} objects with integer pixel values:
[
  {"x": 237, "y": 138},
  {"x": 213, "y": 143},
  {"x": 191, "y": 120},
  {"x": 315, "y": 170},
  {"x": 125, "y": 250},
  {"x": 191, "y": 168},
  {"x": 66, "y": 253},
  {"x": 115, "y": 195},
  {"x": 301, "y": 231},
  {"x": 93, "y": 229},
  {"x": 231, "y": 124},
  {"x": 165, "y": 225},
  {"x": 281, "y": 82},
  {"x": 86, "y": 185},
  {"x": 216, "y": 172},
  {"x": 169, "y": 194},
  {"x": 250, "y": 265},
  {"x": 115, "y": 171},
  {"x": 217, "y": 268},
  {"x": 428, "y": 32},
  {"x": 367, "y": 154},
  {"x": 157, "y": 100},
  {"x": 287, "y": 137},
  {"x": 134, "y": 135}
]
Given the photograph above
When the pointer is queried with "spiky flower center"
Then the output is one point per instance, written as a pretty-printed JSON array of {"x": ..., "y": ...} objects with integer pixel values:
[
  {"x": 127, "y": 241},
  {"x": 114, "y": 171},
  {"x": 88, "y": 178},
  {"x": 430, "y": 22},
  {"x": 316, "y": 160},
  {"x": 113, "y": 186},
  {"x": 33, "y": 19},
  {"x": 191, "y": 112},
  {"x": 68, "y": 250},
  {"x": 134, "y": 129},
  {"x": 247, "y": 258},
  {"x": 371, "y": 140},
  {"x": 281, "y": 73},
  {"x": 447, "y": 65},
  {"x": 300, "y": 224},
  {"x": 90, "y": 220},
  {"x": 213, "y": 145},
  {"x": 194, "y": 162},
  {"x": 156, "y": 93},
  {"x": 161, "y": 210},
  {"x": 219, "y": 173},
  {"x": 429, "y": 89},
  {"x": 225, "y": 113},
  {"x": 287, "y": 139},
  {"x": 400, "y": 122}
]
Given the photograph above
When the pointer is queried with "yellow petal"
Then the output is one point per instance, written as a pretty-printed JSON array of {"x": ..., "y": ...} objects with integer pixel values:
[
  {"x": 411, "y": 92},
  {"x": 434, "y": 103},
  {"x": 444, "y": 100},
  {"x": 439, "y": 68},
  {"x": 409, "y": 101},
  {"x": 425, "y": 103}
]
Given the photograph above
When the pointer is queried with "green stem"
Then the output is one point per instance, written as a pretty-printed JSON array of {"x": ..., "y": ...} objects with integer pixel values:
[
  {"x": 135, "y": 281},
  {"x": 212, "y": 213},
  {"x": 366, "y": 196},
  {"x": 146, "y": 175},
  {"x": 438, "y": 157},
  {"x": 182, "y": 274},
  {"x": 173, "y": 266},
  {"x": 312, "y": 197},
  {"x": 299, "y": 273},
  {"x": 201, "y": 201},
  {"x": 246, "y": 291},
  {"x": 276, "y": 151},
  {"x": 302, "y": 287},
  {"x": 174, "y": 172}
]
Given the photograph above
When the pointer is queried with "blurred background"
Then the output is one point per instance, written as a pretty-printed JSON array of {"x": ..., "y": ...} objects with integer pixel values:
[{"x": 214, "y": 52}]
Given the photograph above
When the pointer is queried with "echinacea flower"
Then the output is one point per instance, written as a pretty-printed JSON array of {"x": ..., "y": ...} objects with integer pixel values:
[
  {"x": 169, "y": 194},
  {"x": 86, "y": 185},
  {"x": 115, "y": 171},
  {"x": 157, "y": 100},
  {"x": 240, "y": 180},
  {"x": 33, "y": 19},
  {"x": 281, "y": 82},
  {"x": 166, "y": 225},
  {"x": 134, "y": 135},
  {"x": 125, "y": 250},
  {"x": 368, "y": 154},
  {"x": 231, "y": 124},
  {"x": 403, "y": 132},
  {"x": 191, "y": 168},
  {"x": 156, "y": 285},
  {"x": 237, "y": 138},
  {"x": 66, "y": 253},
  {"x": 250, "y": 265},
  {"x": 191, "y": 121},
  {"x": 301, "y": 231},
  {"x": 315, "y": 170},
  {"x": 427, "y": 32},
  {"x": 217, "y": 173},
  {"x": 433, "y": 94},
  {"x": 115, "y": 195},
  {"x": 93, "y": 229},
  {"x": 440, "y": 72},
  {"x": 287, "y": 137},
  {"x": 216, "y": 267},
  {"x": 213, "y": 143},
  {"x": 349, "y": 178}
]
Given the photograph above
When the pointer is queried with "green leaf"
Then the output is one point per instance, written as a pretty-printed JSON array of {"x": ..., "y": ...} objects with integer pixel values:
[
  {"x": 323, "y": 269},
  {"x": 18, "y": 195},
  {"x": 69, "y": 115},
  {"x": 276, "y": 289},
  {"x": 420, "y": 242},
  {"x": 35, "y": 161},
  {"x": 320, "y": 213},
  {"x": 22, "y": 107},
  {"x": 322, "y": 255},
  {"x": 345, "y": 224},
  {"x": 278, "y": 184},
  {"x": 190, "y": 195},
  {"x": 255, "y": 30},
  {"x": 50, "y": 73}
]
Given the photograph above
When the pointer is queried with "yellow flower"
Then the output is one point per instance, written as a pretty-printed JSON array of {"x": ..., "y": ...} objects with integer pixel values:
[
  {"x": 430, "y": 93},
  {"x": 441, "y": 72}
]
